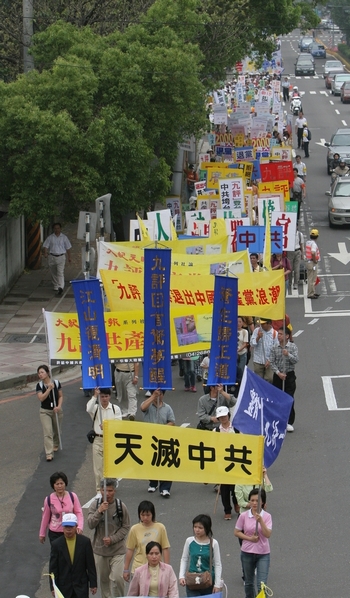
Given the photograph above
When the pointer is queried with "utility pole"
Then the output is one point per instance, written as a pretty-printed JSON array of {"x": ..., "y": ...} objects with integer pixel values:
[{"x": 28, "y": 61}]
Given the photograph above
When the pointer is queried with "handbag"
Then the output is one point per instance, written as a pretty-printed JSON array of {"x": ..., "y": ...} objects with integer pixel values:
[
  {"x": 201, "y": 425},
  {"x": 91, "y": 435},
  {"x": 201, "y": 581}
]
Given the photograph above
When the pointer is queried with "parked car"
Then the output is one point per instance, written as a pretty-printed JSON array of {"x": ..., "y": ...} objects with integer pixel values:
[
  {"x": 317, "y": 50},
  {"x": 329, "y": 79},
  {"x": 339, "y": 144},
  {"x": 333, "y": 66},
  {"x": 305, "y": 42},
  {"x": 304, "y": 66},
  {"x": 339, "y": 202},
  {"x": 338, "y": 81},
  {"x": 345, "y": 92}
]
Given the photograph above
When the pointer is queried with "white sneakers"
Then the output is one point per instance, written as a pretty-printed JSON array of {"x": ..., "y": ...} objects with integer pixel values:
[
  {"x": 165, "y": 493},
  {"x": 152, "y": 488},
  {"x": 290, "y": 428}
]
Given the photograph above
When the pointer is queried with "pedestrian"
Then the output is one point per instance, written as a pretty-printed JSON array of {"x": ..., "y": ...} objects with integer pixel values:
[
  {"x": 227, "y": 491},
  {"x": 59, "y": 502},
  {"x": 200, "y": 550},
  {"x": 295, "y": 258},
  {"x": 312, "y": 256},
  {"x": 298, "y": 190},
  {"x": 50, "y": 395},
  {"x": 155, "y": 578},
  {"x": 262, "y": 341},
  {"x": 191, "y": 179},
  {"x": 243, "y": 342},
  {"x": 285, "y": 89},
  {"x": 205, "y": 368},
  {"x": 147, "y": 530},
  {"x": 208, "y": 404},
  {"x": 72, "y": 562},
  {"x": 254, "y": 528},
  {"x": 306, "y": 140},
  {"x": 301, "y": 167},
  {"x": 110, "y": 549},
  {"x": 56, "y": 247},
  {"x": 254, "y": 262},
  {"x": 242, "y": 492},
  {"x": 126, "y": 377},
  {"x": 283, "y": 358},
  {"x": 100, "y": 408},
  {"x": 279, "y": 261},
  {"x": 299, "y": 127},
  {"x": 155, "y": 411},
  {"x": 189, "y": 373}
]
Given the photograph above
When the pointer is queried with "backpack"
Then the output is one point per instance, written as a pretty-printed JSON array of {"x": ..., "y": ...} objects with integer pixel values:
[
  {"x": 309, "y": 135},
  {"x": 49, "y": 499},
  {"x": 119, "y": 509}
]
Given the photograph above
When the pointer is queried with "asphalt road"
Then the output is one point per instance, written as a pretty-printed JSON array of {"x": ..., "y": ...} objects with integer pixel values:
[{"x": 309, "y": 558}]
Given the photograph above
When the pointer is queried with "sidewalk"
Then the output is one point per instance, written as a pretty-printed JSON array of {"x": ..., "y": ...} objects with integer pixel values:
[{"x": 22, "y": 333}]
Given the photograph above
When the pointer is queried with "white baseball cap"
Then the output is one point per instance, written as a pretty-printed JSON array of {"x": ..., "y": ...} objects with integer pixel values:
[
  {"x": 222, "y": 411},
  {"x": 69, "y": 519}
]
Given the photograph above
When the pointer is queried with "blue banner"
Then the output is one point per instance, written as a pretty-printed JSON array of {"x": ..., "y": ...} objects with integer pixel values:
[
  {"x": 224, "y": 336},
  {"x": 96, "y": 369},
  {"x": 157, "y": 355},
  {"x": 263, "y": 410},
  {"x": 253, "y": 239}
]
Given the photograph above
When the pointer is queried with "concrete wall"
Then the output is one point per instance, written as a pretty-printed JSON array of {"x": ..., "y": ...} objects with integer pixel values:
[{"x": 12, "y": 252}]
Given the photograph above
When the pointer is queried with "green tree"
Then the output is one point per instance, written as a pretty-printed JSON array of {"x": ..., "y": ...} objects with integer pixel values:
[{"x": 105, "y": 117}]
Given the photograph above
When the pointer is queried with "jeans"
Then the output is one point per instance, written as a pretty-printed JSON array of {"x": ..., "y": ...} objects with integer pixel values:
[
  {"x": 250, "y": 562},
  {"x": 242, "y": 361},
  {"x": 189, "y": 375},
  {"x": 199, "y": 592}
]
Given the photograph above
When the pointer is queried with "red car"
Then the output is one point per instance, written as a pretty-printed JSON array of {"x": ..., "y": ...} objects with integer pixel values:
[
  {"x": 345, "y": 92},
  {"x": 328, "y": 80}
]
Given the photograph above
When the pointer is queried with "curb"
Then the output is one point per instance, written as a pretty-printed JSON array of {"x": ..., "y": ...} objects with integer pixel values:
[{"x": 29, "y": 378}]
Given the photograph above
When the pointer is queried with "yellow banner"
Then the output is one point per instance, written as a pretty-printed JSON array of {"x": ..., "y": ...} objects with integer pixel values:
[
  {"x": 259, "y": 293},
  {"x": 181, "y": 263},
  {"x": 142, "y": 451},
  {"x": 275, "y": 187}
]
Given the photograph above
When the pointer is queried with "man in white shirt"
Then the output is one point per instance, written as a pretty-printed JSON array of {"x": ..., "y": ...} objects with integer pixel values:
[
  {"x": 301, "y": 167},
  {"x": 100, "y": 408},
  {"x": 299, "y": 127},
  {"x": 56, "y": 246}
]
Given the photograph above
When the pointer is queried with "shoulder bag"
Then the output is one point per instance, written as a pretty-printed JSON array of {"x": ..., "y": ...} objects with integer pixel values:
[{"x": 201, "y": 581}]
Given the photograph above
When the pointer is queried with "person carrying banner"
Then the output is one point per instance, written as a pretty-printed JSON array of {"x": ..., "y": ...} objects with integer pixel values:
[
  {"x": 50, "y": 395},
  {"x": 208, "y": 404},
  {"x": 126, "y": 378},
  {"x": 100, "y": 408},
  {"x": 312, "y": 256},
  {"x": 254, "y": 528},
  {"x": 155, "y": 411},
  {"x": 263, "y": 339},
  {"x": 283, "y": 358},
  {"x": 109, "y": 550},
  {"x": 242, "y": 491},
  {"x": 226, "y": 490}
]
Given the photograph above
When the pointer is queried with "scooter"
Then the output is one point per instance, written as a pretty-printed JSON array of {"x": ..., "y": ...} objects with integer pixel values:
[{"x": 295, "y": 105}]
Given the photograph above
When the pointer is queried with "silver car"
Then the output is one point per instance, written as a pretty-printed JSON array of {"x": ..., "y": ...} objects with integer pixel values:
[
  {"x": 338, "y": 82},
  {"x": 339, "y": 202},
  {"x": 334, "y": 66}
]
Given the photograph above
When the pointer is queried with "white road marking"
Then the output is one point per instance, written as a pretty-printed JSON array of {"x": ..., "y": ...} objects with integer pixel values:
[
  {"x": 298, "y": 333},
  {"x": 330, "y": 101},
  {"x": 313, "y": 92},
  {"x": 331, "y": 400},
  {"x": 313, "y": 321},
  {"x": 339, "y": 299},
  {"x": 324, "y": 93},
  {"x": 337, "y": 111},
  {"x": 328, "y": 309},
  {"x": 344, "y": 123}
]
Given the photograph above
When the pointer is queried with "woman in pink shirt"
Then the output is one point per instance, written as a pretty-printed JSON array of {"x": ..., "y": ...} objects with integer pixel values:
[
  {"x": 57, "y": 504},
  {"x": 254, "y": 529}
]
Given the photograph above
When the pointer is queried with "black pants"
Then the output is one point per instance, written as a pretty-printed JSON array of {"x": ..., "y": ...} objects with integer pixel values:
[
  {"x": 289, "y": 388},
  {"x": 227, "y": 491},
  {"x": 306, "y": 148},
  {"x": 285, "y": 93},
  {"x": 300, "y": 136}
]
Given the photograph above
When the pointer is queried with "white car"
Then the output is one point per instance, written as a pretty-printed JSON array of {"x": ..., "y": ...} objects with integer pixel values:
[{"x": 333, "y": 66}]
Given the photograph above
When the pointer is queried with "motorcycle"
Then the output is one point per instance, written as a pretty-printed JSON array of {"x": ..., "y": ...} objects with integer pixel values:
[{"x": 295, "y": 105}]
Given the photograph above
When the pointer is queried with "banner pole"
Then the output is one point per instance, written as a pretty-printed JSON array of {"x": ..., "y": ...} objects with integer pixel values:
[{"x": 53, "y": 392}]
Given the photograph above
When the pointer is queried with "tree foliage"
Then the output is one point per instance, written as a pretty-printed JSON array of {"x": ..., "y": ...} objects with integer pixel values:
[{"x": 105, "y": 117}]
